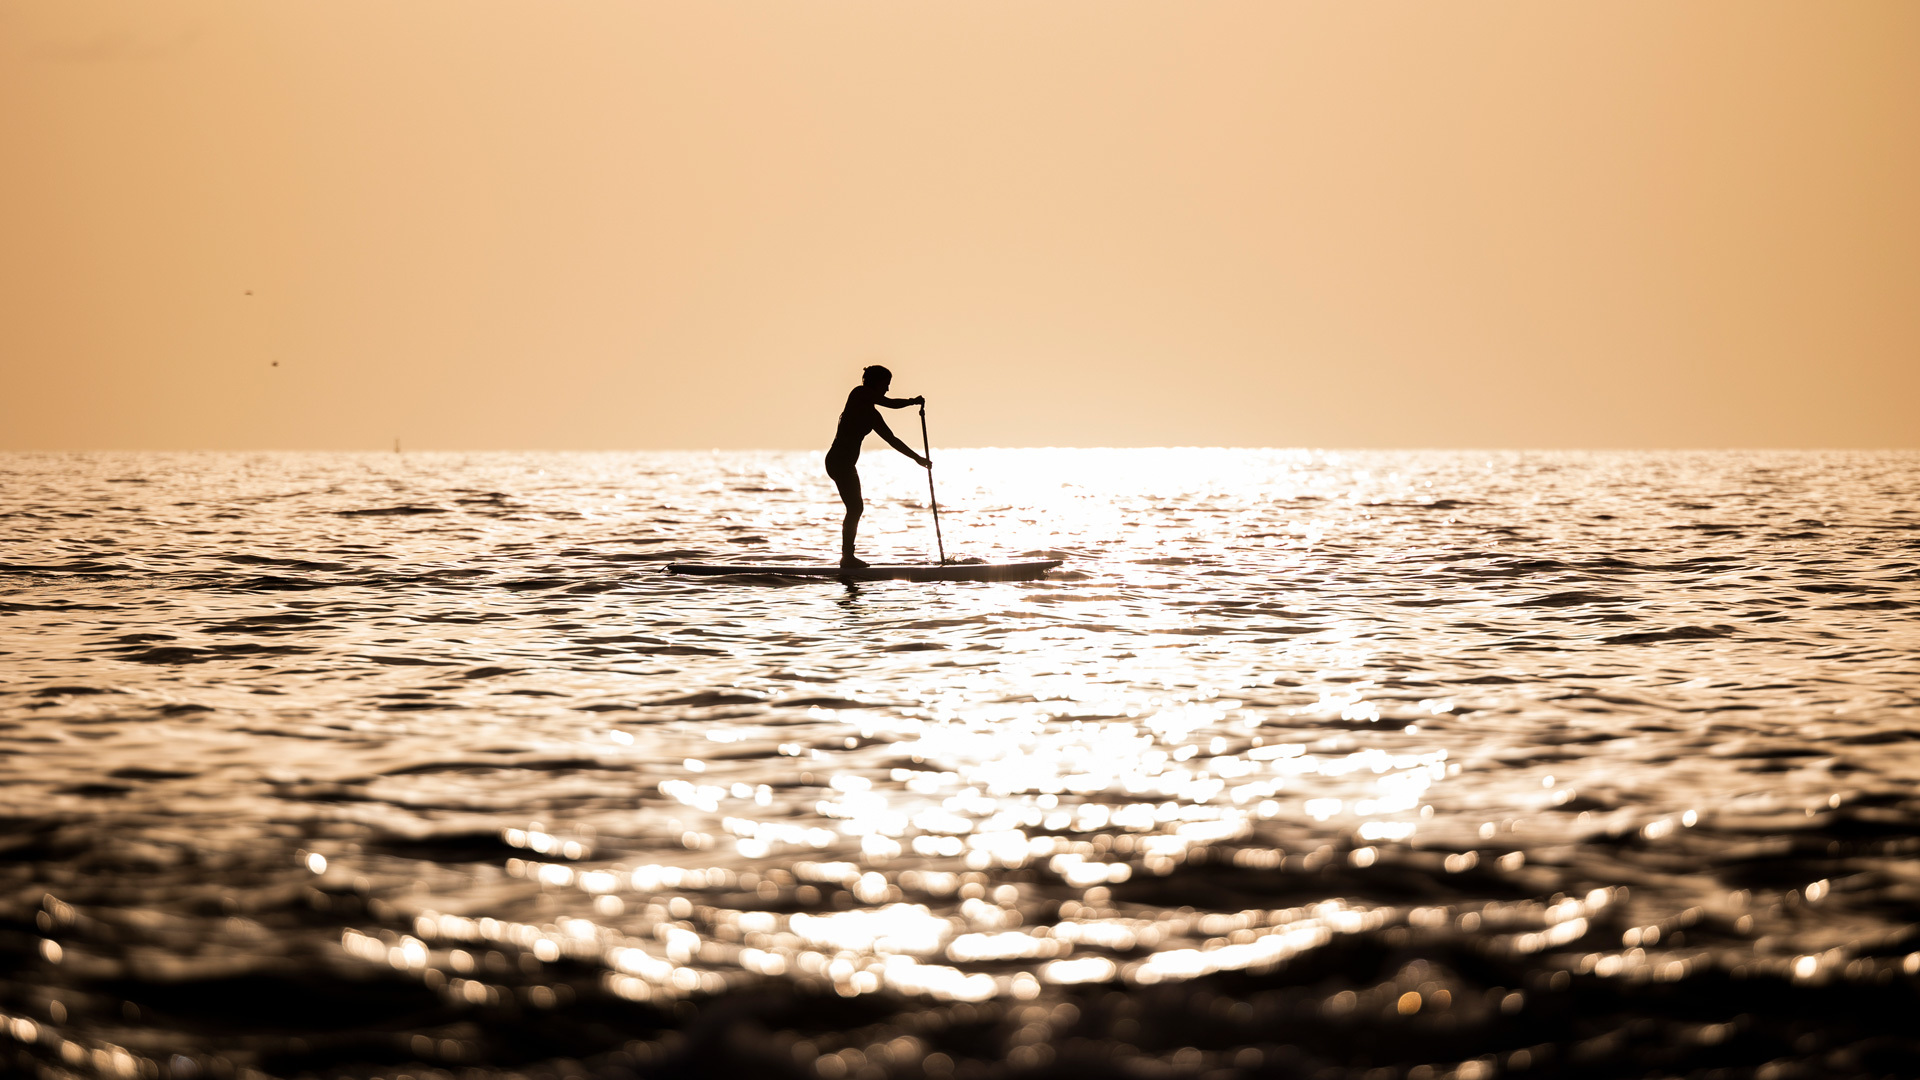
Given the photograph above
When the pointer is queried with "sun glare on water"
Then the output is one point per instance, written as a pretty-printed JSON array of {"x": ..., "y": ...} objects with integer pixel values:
[{"x": 1274, "y": 712}]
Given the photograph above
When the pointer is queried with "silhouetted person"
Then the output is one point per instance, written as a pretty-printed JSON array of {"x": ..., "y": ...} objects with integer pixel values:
[{"x": 856, "y": 420}]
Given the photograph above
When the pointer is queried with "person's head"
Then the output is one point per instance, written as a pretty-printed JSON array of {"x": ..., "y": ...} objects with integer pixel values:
[{"x": 877, "y": 377}]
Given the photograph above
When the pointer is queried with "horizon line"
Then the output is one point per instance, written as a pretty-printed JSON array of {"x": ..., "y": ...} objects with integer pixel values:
[{"x": 403, "y": 450}]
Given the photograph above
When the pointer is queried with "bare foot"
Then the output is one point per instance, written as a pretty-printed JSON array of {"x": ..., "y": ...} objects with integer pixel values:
[{"x": 849, "y": 562}]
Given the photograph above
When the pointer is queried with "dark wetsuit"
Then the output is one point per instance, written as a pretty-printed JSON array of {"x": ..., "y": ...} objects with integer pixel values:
[
  {"x": 860, "y": 417},
  {"x": 856, "y": 420}
]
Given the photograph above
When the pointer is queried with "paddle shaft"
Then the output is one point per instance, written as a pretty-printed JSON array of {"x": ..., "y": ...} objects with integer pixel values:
[{"x": 926, "y": 450}]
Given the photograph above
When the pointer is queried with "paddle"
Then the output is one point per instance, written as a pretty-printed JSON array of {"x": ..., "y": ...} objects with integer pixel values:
[{"x": 926, "y": 450}]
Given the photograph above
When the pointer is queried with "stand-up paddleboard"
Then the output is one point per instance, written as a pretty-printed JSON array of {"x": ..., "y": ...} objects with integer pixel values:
[{"x": 1006, "y": 571}]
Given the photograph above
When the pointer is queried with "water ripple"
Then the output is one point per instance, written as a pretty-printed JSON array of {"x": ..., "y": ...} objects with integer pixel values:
[{"x": 1448, "y": 764}]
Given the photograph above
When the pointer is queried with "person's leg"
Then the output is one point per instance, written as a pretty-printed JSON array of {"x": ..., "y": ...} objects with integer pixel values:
[{"x": 847, "y": 479}]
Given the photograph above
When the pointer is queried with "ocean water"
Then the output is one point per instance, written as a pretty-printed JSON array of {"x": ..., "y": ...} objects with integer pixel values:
[{"x": 1383, "y": 765}]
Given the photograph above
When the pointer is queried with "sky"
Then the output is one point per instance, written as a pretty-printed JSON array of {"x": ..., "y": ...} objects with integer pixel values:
[{"x": 647, "y": 224}]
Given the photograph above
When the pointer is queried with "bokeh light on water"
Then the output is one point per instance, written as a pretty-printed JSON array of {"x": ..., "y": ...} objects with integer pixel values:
[{"x": 1442, "y": 764}]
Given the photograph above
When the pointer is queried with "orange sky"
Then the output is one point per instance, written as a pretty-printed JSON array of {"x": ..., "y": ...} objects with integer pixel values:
[{"x": 481, "y": 224}]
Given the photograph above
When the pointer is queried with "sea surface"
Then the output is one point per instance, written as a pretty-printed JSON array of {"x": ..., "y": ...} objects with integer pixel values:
[{"x": 1379, "y": 765}]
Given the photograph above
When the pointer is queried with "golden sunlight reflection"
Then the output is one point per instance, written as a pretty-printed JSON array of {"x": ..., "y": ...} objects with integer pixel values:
[
  {"x": 981, "y": 859},
  {"x": 1267, "y": 754}
]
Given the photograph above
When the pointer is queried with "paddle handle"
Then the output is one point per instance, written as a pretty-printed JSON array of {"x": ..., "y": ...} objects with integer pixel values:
[{"x": 926, "y": 450}]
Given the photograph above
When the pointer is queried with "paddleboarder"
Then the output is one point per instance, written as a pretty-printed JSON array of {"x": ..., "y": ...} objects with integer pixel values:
[{"x": 860, "y": 417}]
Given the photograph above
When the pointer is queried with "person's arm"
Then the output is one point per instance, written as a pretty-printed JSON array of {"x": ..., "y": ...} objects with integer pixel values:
[
  {"x": 880, "y": 428},
  {"x": 901, "y": 403}
]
